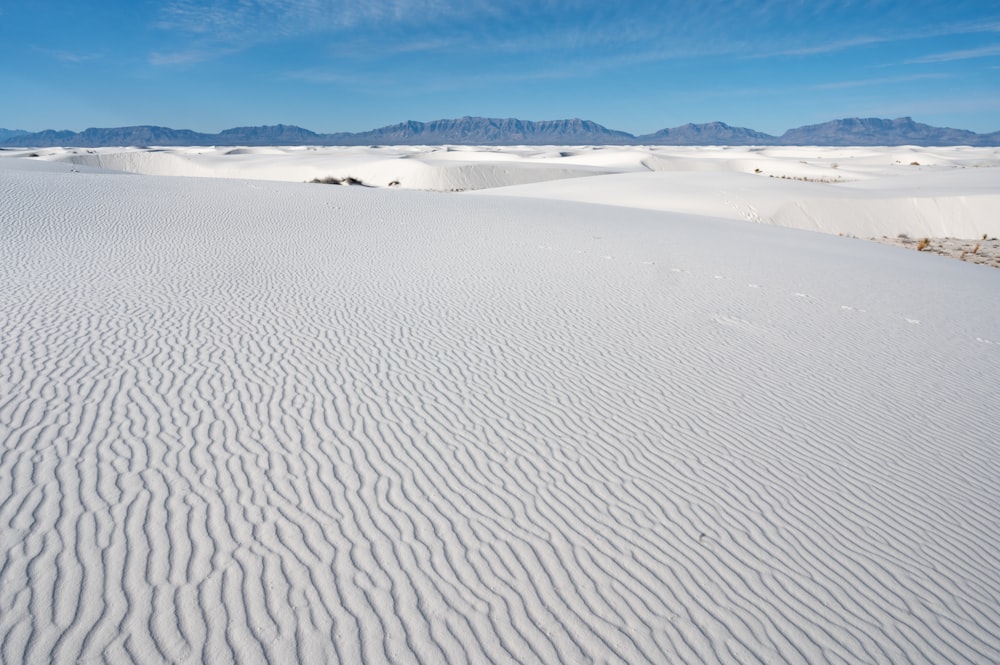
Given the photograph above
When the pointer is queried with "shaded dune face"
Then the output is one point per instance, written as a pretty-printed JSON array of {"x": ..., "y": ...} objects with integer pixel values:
[{"x": 250, "y": 421}]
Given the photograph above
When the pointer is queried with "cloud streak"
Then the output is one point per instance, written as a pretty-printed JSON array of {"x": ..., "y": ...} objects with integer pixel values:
[
  {"x": 69, "y": 56},
  {"x": 231, "y": 19},
  {"x": 457, "y": 45},
  {"x": 839, "y": 85},
  {"x": 217, "y": 28},
  {"x": 188, "y": 57},
  {"x": 964, "y": 54},
  {"x": 871, "y": 40}
]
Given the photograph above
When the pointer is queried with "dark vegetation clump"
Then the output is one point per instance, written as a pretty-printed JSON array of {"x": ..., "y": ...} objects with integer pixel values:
[{"x": 331, "y": 180}]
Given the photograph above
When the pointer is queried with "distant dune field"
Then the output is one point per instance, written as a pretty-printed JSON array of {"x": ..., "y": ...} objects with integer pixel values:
[
  {"x": 867, "y": 192},
  {"x": 586, "y": 413}
]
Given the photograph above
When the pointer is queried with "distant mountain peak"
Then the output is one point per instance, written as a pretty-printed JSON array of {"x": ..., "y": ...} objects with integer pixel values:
[
  {"x": 882, "y": 131},
  {"x": 10, "y": 133},
  {"x": 475, "y": 130},
  {"x": 709, "y": 133},
  {"x": 479, "y": 130}
]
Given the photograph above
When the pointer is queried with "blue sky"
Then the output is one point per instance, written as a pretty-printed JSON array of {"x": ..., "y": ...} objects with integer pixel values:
[{"x": 638, "y": 66}]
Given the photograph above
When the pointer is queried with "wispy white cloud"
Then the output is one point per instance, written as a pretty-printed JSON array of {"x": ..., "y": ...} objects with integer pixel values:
[
  {"x": 425, "y": 45},
  {"x": 964, "y": 54},
  {"x": 619, "y": 41},
  {"x": 585, "y": 31},
  {"x": 924, "y": 106},
  {"x": 69, "y": 56},
  {"x": 215, "y": 28},
  {"x": 888, "y": 37},
  {"x": 255, "y": 18},
  {"x": 837, "y": 85},
  {"x": 188, "y": 57},
  {"x": 830, "y": 47},
  {"x": 335, "y": 76},
  {"x": 386, "y": 82},
  {"x": 510, "y": 27}
]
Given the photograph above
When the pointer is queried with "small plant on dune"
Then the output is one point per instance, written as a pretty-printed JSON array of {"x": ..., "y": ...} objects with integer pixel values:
[
  {"x": 903, "y": 236},
  {"x": 984, "y": 236},
  {"x": 914, "y": 163},
  {"x": 331, "y": 180},
  {"x": 975, "y": 250},
  {"x": 923, "y": 244}
]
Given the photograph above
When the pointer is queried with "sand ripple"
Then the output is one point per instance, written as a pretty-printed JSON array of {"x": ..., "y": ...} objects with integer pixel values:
[{"x": 269, "y": 422}]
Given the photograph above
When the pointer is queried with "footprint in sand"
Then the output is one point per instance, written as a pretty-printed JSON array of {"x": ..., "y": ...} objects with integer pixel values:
[
  {"x": 753, "y": 286},
  {"x": 984, "y": 341},
  {"x": 913, "y": 321}
]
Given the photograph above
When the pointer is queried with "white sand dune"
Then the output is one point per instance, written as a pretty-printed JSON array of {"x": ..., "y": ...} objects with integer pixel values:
[
  {"x": 956, "y": 204},
  {"x": 434, "y": 168},
  {"x": 866, "y": 192},
  {"x": 251, "y": 421}
]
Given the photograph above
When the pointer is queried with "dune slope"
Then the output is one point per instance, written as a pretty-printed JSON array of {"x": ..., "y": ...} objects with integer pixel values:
[
  {"x": 249, "y": 421},
  {"x": 866, "y": 192}
]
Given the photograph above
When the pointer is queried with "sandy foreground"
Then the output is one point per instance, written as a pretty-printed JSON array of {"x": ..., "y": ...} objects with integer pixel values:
[{"x": 584, "y": 413}]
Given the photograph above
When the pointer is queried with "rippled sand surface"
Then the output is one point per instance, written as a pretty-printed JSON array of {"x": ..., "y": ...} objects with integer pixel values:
[{"x": 250, "y": 421}]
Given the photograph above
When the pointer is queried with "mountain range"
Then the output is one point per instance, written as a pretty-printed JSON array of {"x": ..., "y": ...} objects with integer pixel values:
[
  {"x": 510, "y": 131},
  {"x": 10, "y": 133}
]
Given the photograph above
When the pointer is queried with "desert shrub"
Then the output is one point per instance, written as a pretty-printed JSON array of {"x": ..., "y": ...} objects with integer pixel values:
[
  {"x": 331, "y": 180},
  {"x": 923, "y": 244}
]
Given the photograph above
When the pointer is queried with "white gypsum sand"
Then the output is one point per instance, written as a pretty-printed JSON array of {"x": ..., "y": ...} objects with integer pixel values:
[
  {"x": 865, "y": 192},
  {"x": 251, "y": 421}
]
